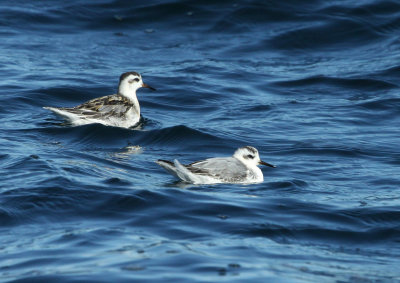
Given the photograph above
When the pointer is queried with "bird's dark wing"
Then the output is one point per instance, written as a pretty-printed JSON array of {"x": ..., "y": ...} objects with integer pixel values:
[{"x": 111, "y": 105}]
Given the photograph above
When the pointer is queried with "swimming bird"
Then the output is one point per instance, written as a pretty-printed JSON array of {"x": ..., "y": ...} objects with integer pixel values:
[
  {"x": 239, "y": 168},
  {"x": 119, "y": 110}
]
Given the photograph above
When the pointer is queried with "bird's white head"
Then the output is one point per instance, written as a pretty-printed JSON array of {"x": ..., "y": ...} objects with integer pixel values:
[
  {"x": 129, "y": 82},
  {"x": 249, "y": 156}
]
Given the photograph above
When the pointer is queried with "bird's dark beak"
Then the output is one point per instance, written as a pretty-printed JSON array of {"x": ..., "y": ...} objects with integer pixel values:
[
  {"x": 266, "y": 164},
  {"x": 147, "y": 86}
]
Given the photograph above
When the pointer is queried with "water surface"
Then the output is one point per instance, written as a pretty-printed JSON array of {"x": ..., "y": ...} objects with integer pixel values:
[{"x": 313, "y": 86}]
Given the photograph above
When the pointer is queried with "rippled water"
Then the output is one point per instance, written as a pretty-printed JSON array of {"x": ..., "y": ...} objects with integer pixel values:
[{"x": 314, "y": 85}]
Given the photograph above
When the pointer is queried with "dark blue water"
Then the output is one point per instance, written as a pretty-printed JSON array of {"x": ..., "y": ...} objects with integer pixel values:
[{"x": 314, "y": 85}]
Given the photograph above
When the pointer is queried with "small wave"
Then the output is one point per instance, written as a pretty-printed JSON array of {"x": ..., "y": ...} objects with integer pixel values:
[
  {"x": 390, "y": 72},
  {"x": 53, "y": 203},
  {"x": 318, "y": 235},
  {"x": 69, "y": 96},
  {"x": 177, "y": 136},
  {"x": 290, "y": 184},
  {"x": 352, "y": 83},
  {"x": 323, "y": 151},
  {"x": 376, "y": 217},
  {"x": 392, "y": 104},
  {"x": 96, "y": 135}
]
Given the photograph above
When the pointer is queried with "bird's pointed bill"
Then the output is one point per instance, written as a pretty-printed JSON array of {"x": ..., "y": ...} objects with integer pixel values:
[
  {"x": 147, "y": 86},
  {"x": 267, "y": 164}
]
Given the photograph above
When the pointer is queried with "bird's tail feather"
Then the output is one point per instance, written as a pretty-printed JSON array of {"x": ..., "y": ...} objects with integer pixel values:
[
  {"x": 62, "y": 112},
  {"x": 184, "y": 173},
  {"x": 168, "y": 165},
  {"x": 177, "y": 169}
]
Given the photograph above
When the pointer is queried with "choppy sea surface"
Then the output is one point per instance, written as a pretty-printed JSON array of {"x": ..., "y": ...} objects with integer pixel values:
[{"x": 313, "y": 85}]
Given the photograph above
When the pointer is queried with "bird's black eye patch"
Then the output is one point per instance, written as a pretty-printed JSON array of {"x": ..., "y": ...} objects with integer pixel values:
[
  {"x": 250, "y": 156},
  {"x": 133, "y": 80}
]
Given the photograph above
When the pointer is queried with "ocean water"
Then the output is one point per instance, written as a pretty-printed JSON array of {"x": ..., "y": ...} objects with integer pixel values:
[{"x": 313, "y": 85}]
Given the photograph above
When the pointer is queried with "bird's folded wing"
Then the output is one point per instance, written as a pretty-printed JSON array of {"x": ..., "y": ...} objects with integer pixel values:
[
  {"x": 229, "y": 169},
  {"x": 112, "y": 105}
]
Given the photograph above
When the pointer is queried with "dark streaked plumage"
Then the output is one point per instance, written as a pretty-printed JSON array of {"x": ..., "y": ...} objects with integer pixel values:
[
  {"x": 102, "y": 107},
  {"x": 120, "y": 110}
]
